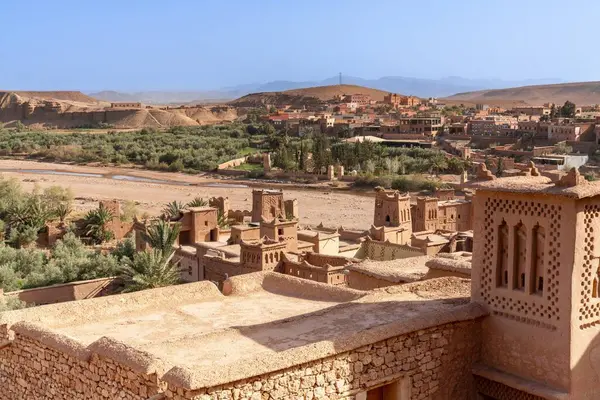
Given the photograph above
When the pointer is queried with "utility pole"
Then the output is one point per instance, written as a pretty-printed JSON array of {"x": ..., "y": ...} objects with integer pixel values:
[{"x": 340, "y": 79}]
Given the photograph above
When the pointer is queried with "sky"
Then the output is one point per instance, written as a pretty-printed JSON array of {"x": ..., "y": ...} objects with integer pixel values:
[{"x": 134, "y": 45}]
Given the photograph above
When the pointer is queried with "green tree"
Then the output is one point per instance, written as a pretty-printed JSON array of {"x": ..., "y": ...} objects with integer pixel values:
[
  {"x": 125, "y": 249},
  {"x": 392, "y": 164},
  {"x": 321, "y": 152},
  {"x": 222, "y": 220},
  {"x": 437, "y": 164},
  {"x": 9, "y": 303},
  {"x": 95, "y": 222},
  {"x": 568, "y": 110},
  {"x": 149, "y": 270},
  {"x": 162, "y": 236},
  {"x": 500, "y": 167},
  {"x": 553, "y": 111},
  {"x": 23, "y": 236},
  {"x": 562, "y": 148},
  {"x": 197, "y": 202},
  {"x": 487, "y": 162},
  {"x": 267, "y": 129},
  {"x": 20, "y": 127},
  {"x": 173, "y": 210}
]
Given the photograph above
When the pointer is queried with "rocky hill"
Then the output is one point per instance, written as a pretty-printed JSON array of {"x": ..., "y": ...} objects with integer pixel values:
[
  {"x": 581, "y": 93},
  {"x": 75, "y": 109},
  {"x": 305, "y": 96}
]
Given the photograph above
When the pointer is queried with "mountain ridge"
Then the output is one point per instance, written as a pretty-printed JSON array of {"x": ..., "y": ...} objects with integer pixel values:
[
  {"x": 420, "y": 87},
  {"x": 583, "y": 93}
]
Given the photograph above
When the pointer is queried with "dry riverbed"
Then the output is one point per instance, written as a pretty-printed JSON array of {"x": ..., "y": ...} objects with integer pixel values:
[{"x": 101, "y": 183}]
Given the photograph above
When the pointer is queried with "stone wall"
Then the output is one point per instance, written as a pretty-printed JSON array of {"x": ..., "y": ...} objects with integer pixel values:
[
  {"x": 30, "y": 369},
  {"x": 436, "y": 362},
  {"x": 433, "y": 363},
  {"x": 232, "y": 163}
]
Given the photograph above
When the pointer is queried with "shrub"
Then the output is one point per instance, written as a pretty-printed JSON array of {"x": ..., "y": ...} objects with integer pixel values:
[
  {"x": 372, "y": 181},
  {"x": 10, "y": 303},
  {"x": 125, "y": 249}
]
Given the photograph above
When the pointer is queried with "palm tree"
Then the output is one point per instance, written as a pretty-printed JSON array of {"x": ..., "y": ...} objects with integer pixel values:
[
  {"x": 197, "y": 202},
  {"x": 437, "y": 164},
  {"x": 173, "y": 209},
  {"x": 62, "y": 211},
  {"x": 95, "y": 224},
  {"x": 17, "y": 215},
  {"x": 149, "y": 270},
  {"x": 162, "y": 236},
  {"x": 222, "y": 220},
  {"x": 39, "y": 212}
]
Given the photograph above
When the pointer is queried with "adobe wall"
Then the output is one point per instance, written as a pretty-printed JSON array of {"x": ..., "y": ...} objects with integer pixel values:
[
  {"x": 382, "y": 251},
  {"x": 585, "y": 318},
  {"x": 438, "y": 273},
  {"x": 67, "y": 292},
  {"x": 238, "y": 215},
  {"x": 215, "y": 269},
  {"x": 516, "y": 317},
  {"x": 323, "y": 259},
  {"x": 119, "y": 228},
  {"x": 350, "y": 235},
  {"x": 329, "y": 276},
  {"x": 360, "y": 281},
  {"x": 189, "y": 266}
]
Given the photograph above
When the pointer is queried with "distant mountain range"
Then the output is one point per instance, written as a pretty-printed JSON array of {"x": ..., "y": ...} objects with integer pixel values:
[
  {"x": 581, "y": 93},
  {"x": 397, "y": 84}
]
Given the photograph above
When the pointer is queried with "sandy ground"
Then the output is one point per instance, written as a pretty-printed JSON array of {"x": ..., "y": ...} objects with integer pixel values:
[{"x": 333, "y": 209}]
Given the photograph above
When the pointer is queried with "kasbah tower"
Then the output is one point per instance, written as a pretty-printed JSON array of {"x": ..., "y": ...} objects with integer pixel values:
[{"x": 535, "y": 270}]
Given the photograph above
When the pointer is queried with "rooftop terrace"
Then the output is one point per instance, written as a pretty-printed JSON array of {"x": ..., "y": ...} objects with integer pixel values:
[{"x": 193, "y": 336}]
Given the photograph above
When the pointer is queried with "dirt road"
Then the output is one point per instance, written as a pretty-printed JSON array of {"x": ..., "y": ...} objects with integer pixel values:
[{"x": 316, "y": 206}]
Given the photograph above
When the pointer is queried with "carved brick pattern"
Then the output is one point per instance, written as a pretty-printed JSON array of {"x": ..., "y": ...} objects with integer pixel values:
[
  {"x": 536, "y": 310},
  {"x": 589, "y": 309},
  {"x": 500, "y": 391}
]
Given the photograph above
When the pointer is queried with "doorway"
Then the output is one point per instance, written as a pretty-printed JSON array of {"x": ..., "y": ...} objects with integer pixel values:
[{"x": 398, "y": 390}]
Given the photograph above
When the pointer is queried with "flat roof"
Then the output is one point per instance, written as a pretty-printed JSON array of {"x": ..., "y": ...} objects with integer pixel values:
[
  {"x": 526, "y": 185},
  {"x": 459, "y": 264},
  {"x": 410, "y": 269},
  {"x": 245, "y": 227},
  {"x": 194, "y": 337},
  {"x": 450, "y": 202},
  {"x": 317, "y": 232}
]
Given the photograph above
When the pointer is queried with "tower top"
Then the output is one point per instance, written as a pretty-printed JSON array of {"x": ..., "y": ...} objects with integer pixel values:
[{"x": 572, "y": 185}]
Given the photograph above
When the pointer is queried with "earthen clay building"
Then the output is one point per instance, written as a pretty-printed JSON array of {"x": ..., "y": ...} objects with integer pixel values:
[{"x": 525, "y": 326}]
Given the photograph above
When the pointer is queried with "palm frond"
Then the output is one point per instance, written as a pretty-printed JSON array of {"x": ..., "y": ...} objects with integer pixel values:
[
  {"x": 173, "y": 209},
  {"x": 197, "y": 202}
]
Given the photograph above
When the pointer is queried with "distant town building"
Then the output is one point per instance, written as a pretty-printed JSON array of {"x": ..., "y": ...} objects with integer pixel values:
[
  {"x": 428, "y": 127},
  {"x": 535, "y": 110},
  {"x": 491, "y": 125},
  {"x": 443, "y": 212},
  {"x": 398, "y": 100},
  {"x": 358, "y": 99},
  {"x": 126, "y": 105}
]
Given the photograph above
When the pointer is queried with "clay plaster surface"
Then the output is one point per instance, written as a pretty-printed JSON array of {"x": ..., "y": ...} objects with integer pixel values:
[
  {"x": 402, "y": 270},
  {"x": 215, "y": 339}
]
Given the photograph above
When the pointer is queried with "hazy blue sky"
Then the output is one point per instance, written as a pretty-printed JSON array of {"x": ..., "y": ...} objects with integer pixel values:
[{"x": 202, "y": 44}]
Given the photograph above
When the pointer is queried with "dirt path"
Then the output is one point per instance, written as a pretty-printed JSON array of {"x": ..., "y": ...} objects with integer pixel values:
[{"x": 316, "y": 206}]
